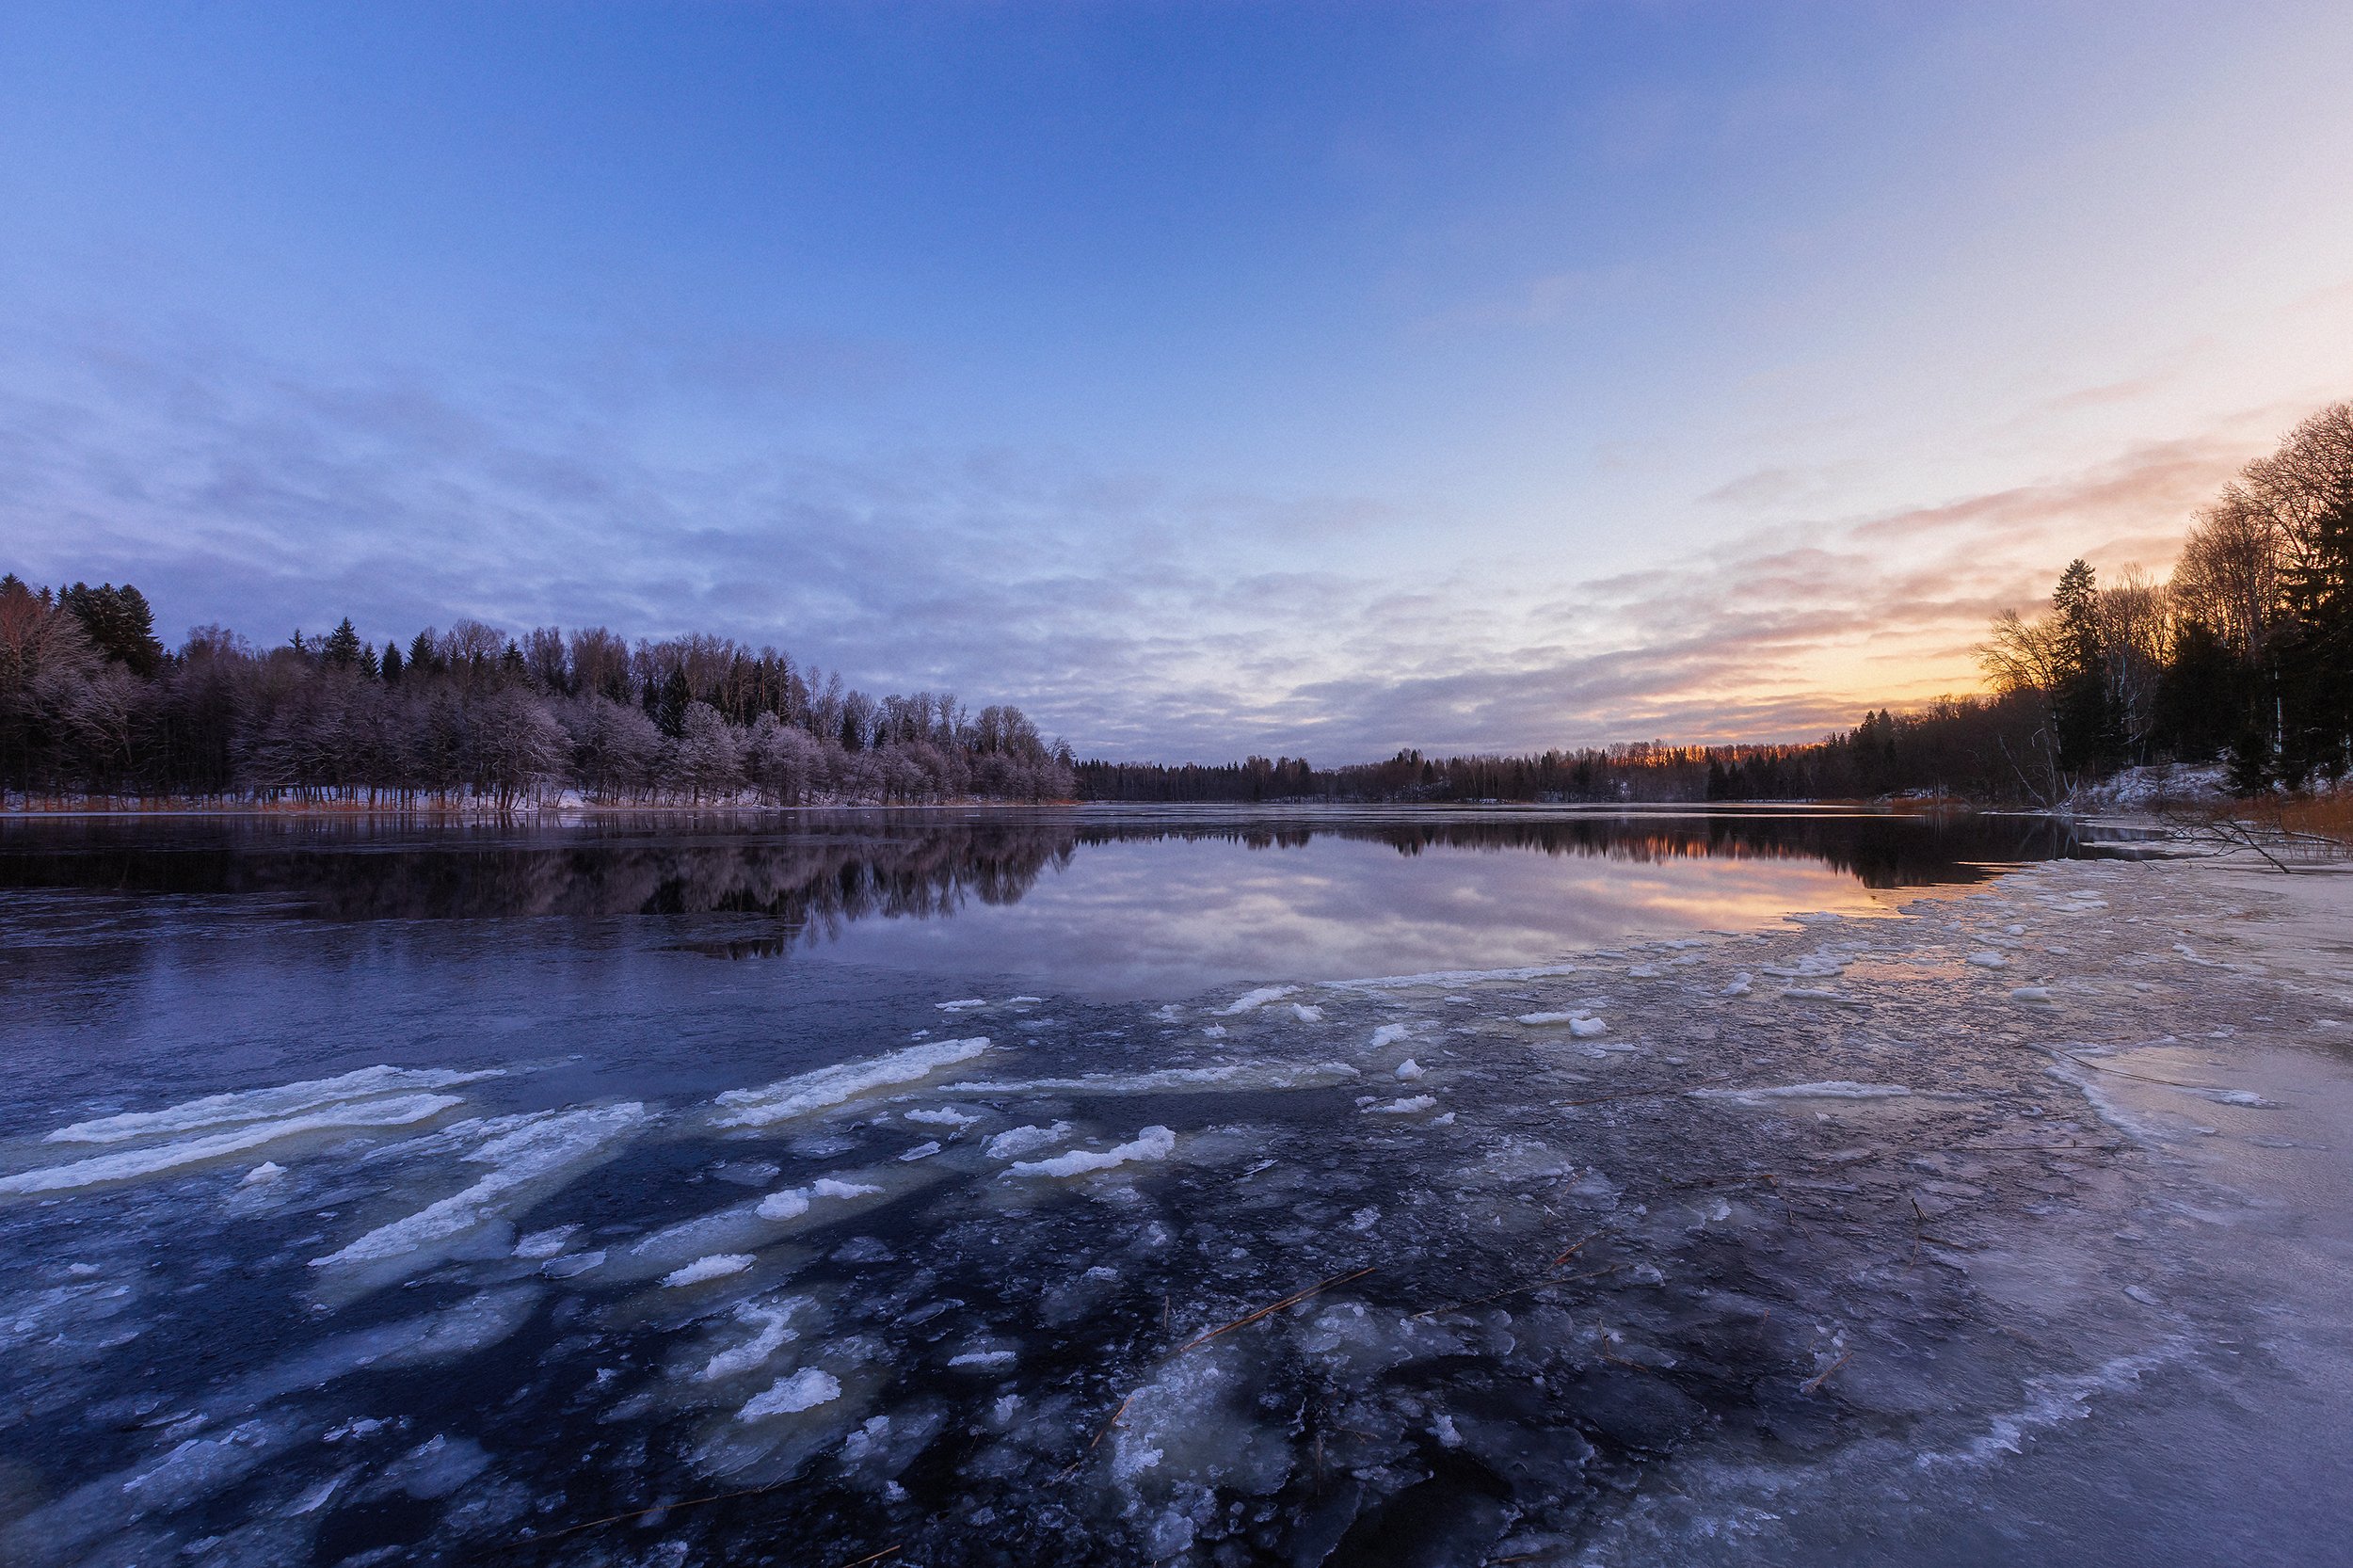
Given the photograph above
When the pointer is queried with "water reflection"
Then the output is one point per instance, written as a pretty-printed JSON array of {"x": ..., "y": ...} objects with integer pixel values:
[{"x": 1095, "y": 901}]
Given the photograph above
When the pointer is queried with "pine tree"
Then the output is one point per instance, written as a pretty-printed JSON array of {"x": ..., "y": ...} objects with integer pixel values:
[
  {"x": 2316, "y": 664},
  {"x": 2081, "y": 712},
  {"x": 422, "y": 659},
  {"x": 342, "y": 648},
  {"x": 392, "y": 663}
]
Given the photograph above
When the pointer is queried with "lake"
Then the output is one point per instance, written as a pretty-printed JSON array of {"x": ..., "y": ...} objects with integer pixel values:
[{"x": 800, "y": 1188}]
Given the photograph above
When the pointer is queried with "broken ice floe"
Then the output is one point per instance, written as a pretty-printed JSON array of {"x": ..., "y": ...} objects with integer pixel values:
[
  {"x": 828, "y": 1087},
  {"x": 131, "y": 1165},
  {"x": 259, "y": 1105},
  {"x": 1250, "y": 1001},
  {"x": 527, "y": 1155},
  {"x": 1153, "y": 1142}
]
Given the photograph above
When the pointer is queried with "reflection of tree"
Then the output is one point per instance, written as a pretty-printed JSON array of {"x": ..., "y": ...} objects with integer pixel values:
[
  {"x": 813, "y": 874},
  {"x": 1888, "y": 851}
]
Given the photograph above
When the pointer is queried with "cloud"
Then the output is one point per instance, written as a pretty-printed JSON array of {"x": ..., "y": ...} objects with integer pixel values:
[{"x": 1136, "y": 617}]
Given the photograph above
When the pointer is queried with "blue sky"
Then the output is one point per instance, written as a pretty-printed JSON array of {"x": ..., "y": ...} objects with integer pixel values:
[{"x": 1206, "y": 378}]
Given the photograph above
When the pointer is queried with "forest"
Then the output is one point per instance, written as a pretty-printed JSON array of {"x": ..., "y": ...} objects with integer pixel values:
[
  {"x": 91, "y": 704},
  {"x": 2243, "y": 656}
]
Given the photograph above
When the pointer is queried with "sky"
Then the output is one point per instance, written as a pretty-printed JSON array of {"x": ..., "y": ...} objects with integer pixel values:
[{"x": 1206, "y": 378}]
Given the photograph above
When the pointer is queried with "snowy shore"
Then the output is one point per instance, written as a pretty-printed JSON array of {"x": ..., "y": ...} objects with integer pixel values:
[{"x": 2015, "y": 1223}]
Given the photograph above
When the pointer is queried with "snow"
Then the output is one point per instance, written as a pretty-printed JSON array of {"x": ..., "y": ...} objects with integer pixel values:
[
  {"x": 717, "y": 1266},
  {"x": 132, "y": 1164},
  {"x": 1153, "y": 1142},
  {"x": 803, "y": 1390},
  {"x": 258, "y": 1105},
  {"x": 829, "y": 1087}
]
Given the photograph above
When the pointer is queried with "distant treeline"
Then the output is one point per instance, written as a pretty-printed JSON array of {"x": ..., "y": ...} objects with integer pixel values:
[
  {"x": 92, "y": 703},
  {"x": 2244, "y": 655}
]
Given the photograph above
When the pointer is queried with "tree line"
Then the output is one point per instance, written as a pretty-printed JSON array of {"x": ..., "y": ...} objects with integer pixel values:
[
  {"x": 2243, "y": 655},
  {"x": 92, "y": 703}
]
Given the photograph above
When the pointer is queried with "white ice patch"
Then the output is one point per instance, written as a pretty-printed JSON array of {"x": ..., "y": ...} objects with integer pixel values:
[
  {"x": 1250, "y": 1001},
  {"x": 546, "y": 1243},
  {"x": 1987, "y": 960},
  {"x": 1835, "y": 1089},
  {"x": 1177, "y": 1081},
  {"x": 530, "y": 1151},
  {"x": 793, "y": 1202},
  {"x": 2031, "y": 994},
  {"x": 1019, "y": 1141},
  {"x": 1454, "y": 977},
  {"x": 264, "y": 1173},
  {"x": 964, "y": 1004},
  {"x": 943, "y": 1117},
  {"x": 982, "y": 1360},
  {"x": 1388, "y": 1034},
  {"x": 258, "y": 1105},
  {"x": 130, "y": 1164},
  {"x": 829, "y": 1087},
  {"x": 717, "y": 1266},
  {"x": 1738, "y": 986},
  {"x": 1403, "y": 1107},
  {"x": 1153, "y": 1142},
  {"x": 1583, "y": 1026},
  {"x": 803, "y": 1390},
  {"x": 922, "y": 1151},
  {"x": 771, "y": 1330},
  {"x": 1408, "y": 1070}
]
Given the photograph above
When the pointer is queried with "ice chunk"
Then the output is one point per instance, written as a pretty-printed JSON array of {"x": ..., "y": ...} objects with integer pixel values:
[
  {"x": 1989, "y": 960},
  {"x": 1403, "y": 1107},
  {"x": 531, "y": 1152},
  {"x": 1408, "y": 1070},
  {"x": 1249, "y": 1000},
  {"x": 1388, "y": 1034},
  {"x": 717, "y": 1266},
  {"x": 1584, "y": 1026},
  {"x": 793, "y": 1202},
  {"x": 1153, "y": 1142},
  {"x": 1025, "y": 1140},
  {"x": 771, "y": 1330},
  {"x": 258, "y": 1105},
  {"x": 945, "y": 1116},
  {"x": 2031, "y": 994},
  {"x": 1234, "y": 1076},
  {"x": 1306, "y": 1013},
  {"x": 1738, "y": 986},
  {"x": 130, "y": 1164},
  {"x": 963, "y": 1005},
  {"x": 803, "y": 1390},
  {"x": 983, "y": 1360},
  {"x": 1835, "y": 1089},
  {"x": 546, "y": 1243},
  {"x": 922, "y": 1151},
  {"x": 828, "y": 1087},
  {"x": 264, "y": 1173}
]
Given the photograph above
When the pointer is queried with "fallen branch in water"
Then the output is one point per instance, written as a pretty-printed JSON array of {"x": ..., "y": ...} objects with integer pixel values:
[{"x": 1814, "y": 1384}]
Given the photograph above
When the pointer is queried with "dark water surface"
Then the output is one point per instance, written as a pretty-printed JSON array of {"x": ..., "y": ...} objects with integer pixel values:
[{"x": 790, "y": 1189}]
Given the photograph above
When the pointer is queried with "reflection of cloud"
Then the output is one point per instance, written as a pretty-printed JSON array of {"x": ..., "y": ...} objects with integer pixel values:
[{"x": 1137, "y": 617}]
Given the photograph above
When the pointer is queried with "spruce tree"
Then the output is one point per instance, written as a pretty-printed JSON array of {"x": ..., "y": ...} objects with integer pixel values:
[
  {"x": 392, "y": 663},
  {"x": 342, "y": 648},
  {"x": 2081, "y": 712},
  {"x": 2316, "y": 664}
]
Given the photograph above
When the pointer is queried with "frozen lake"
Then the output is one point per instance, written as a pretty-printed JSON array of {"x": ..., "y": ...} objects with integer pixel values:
[{"x": 1744, "y": 1187}]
